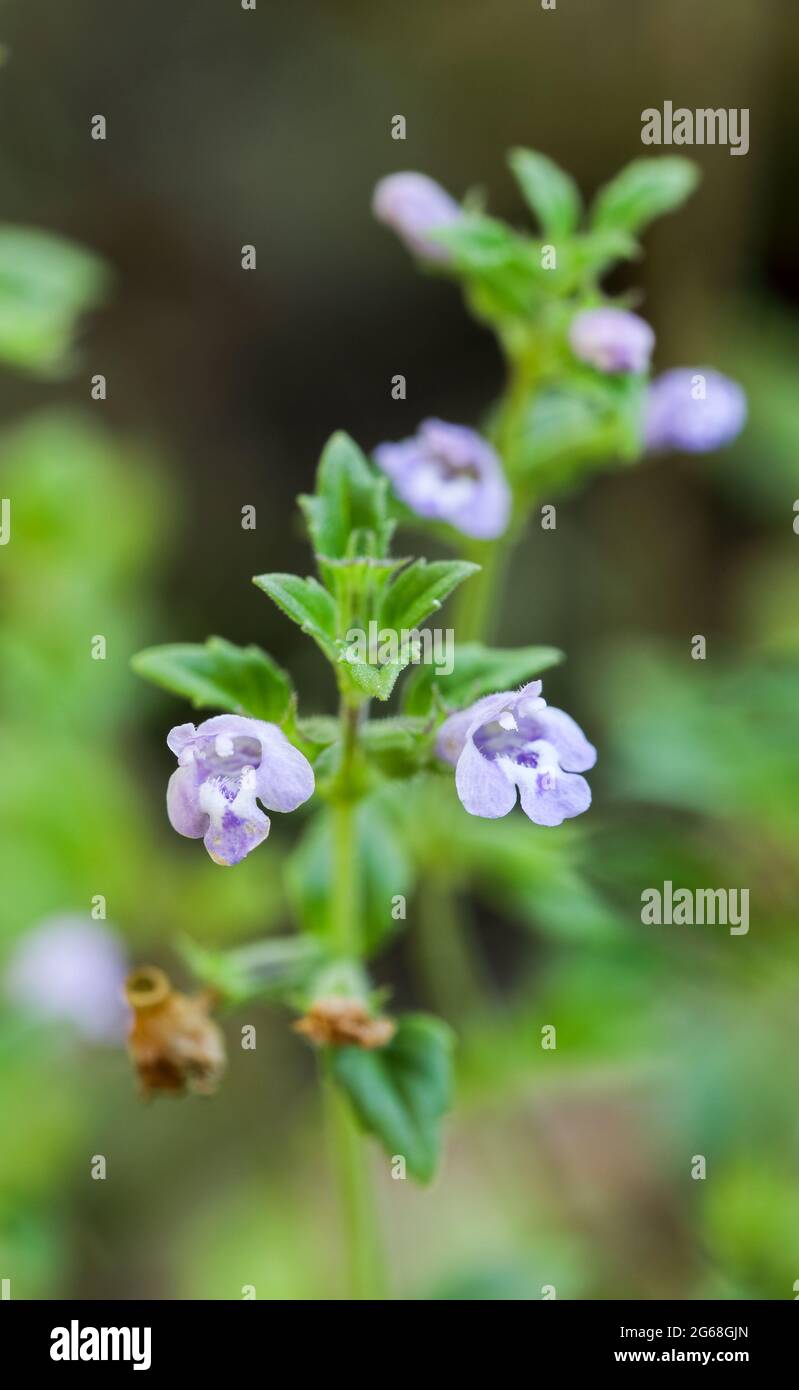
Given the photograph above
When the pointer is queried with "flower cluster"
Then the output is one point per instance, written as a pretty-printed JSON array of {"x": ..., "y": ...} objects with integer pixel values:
[
  {"x": 579, "y": 393},
  {"x": 448, "y": 472}
]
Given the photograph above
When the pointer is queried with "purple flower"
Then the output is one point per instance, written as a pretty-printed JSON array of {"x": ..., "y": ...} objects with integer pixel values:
[
  {"x": 693, "y": 409},
  {"x": 452, "y": 474},
  {"x": 613, "y": 340},
  {"x": 71, "y": 969},
  {"x": 514, "y": 742},
  {"x": 226, "y": 764},
  {"x": 414, "y": 205}
]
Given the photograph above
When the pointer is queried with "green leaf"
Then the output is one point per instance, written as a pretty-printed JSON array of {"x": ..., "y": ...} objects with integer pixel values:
[
  {"x": 45, "y": 282},
  {"x": 573, "y": 425},
  {"x": 378, "y": 681},
  {"x": 504, "y": 270},
  {"x": 347, "y": 515},
  {"x": 401, "y": 1092},
  {"x": 397, "y": 747},
  {"x": 307, "y": 603},
  {"x": 414, "y": 595},
  {"x": 383, "y": 867},
  {"x": 219, "y": 675},
  {"x": 274, "y": 968},
  {"x": 321, "y": 729},
  {"x": 552, "y": 194},
  {"x": 420, "y": 590},
  {"x": 477, "y": 671},
  {"x": 643, "y": 191},
  {"x": 591, "y": 254},
  {"x": 478, "y": 243}
]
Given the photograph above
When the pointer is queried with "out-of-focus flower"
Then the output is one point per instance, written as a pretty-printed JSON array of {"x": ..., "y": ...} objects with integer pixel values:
[
  {"x": 71, "y": 969},
  {"x": 225, "y": 764},
  {"x": 450, "y": 473},
  {"x": 414, "y": 205},
  {"x": 693, "y": 409},
  {"x": 514, "y": 742},
  {"x": 174, "y": 1044},
  {"x": 344, "y": 1023},
  {"x": 613, "y": 340}
]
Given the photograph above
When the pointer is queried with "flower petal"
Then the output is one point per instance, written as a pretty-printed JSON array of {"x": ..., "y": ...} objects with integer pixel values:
[
  {"x": 285, "y": 778},
  {"x": 549, "y": 798},
  {"x": 482, "y": 786},
  {"x": 456, "y": 729},
  {"x": 234, "y": 827},
  {"x": 178, "y": 738},
  {"x": 183, "y": 805},
  {"x": 575, "y": 753}
]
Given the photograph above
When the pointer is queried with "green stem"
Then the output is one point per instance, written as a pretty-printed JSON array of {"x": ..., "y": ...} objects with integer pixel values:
[
  {"x": 476, "y": 602},
  {"x": 346, "y": 904},
  {"x": 366, "y": 1278},
  {"x": 364, "y": 1255}
]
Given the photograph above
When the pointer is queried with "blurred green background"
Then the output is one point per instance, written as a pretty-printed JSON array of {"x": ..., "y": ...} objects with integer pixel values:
[{"x": 568, "y": 1168}]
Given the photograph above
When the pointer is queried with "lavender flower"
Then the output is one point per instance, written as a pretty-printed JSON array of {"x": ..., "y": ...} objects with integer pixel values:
[
  {"x": 71, "y": 969},
  {"x": 450, "y": 473},
  {"x": 226, "y": 764},
  {"x": 613, "y": 340},
  {"x": 514, "y": 742},
  {"x": 693, "y": 409},
  {"x": 414, "y": 205}
]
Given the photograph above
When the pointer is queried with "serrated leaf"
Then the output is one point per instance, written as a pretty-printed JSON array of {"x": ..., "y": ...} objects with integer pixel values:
[
  {"x": 219, "y": 675},
  {"x": 420, "y": 590},
  {"x": 307, "y": 603},
  {"x": 347, "y": 515},
  {"x": 644, "y": 190},
  {"x": 552, "y": 194},
  {"x": 401, "y": 1092},
  {"x": 378, "y": 681},
  {"x": 477, "y": 671}
]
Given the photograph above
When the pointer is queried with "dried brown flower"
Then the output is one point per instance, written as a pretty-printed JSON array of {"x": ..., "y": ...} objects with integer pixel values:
[
  {"x": 344, "y": 1023},
  {"x": 174, "y": 1044}
]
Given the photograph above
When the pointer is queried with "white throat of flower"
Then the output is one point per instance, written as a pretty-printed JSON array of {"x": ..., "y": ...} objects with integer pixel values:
[
  {"x": 215, "y": 802},
  {"x": 541, "y": 778}
]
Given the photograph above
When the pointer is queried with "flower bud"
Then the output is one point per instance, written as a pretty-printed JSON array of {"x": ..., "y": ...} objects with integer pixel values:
[
  {"x": 693, "y": 409},
  {"x": 612, "y": 340},
  {"x": 414, "y": 205}
]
